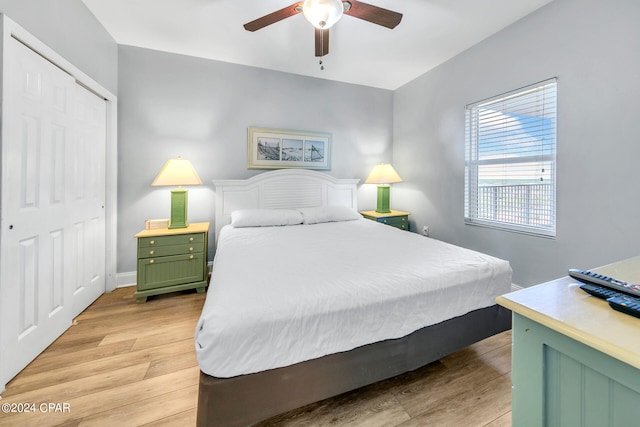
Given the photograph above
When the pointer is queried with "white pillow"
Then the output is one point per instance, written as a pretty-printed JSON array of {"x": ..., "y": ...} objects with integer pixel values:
[
  {"x": 265, "y": 217},
  {"x": 328, "y": 214}
]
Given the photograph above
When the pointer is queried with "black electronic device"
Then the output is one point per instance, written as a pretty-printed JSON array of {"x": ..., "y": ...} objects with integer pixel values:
[
  {"x": 586, "y": 276},
  {"x": 599, "y": 291},
  {"x": 626, "y": 304}
]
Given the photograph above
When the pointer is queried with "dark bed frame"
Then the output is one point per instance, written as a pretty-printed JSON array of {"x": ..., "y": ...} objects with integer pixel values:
[{"x": 247, "y": 399}]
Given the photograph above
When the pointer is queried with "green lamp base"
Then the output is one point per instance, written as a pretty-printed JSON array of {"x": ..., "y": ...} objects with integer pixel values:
[
  {"x": 178, "y": 208},
  {"x": 383, "y": 198}
]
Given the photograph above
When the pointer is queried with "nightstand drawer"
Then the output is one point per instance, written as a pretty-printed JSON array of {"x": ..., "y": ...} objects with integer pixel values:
[
  {"x": 170, "y": 270},
  {"x": 178, "y": 239},
  {"x": 156, "y": 251},
  {"x": 397, "y": 219},
  {"x": 398, "y": 222}
]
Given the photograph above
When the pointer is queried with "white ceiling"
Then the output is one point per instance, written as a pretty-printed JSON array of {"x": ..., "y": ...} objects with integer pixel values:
[{"x": 431, "y": 32}]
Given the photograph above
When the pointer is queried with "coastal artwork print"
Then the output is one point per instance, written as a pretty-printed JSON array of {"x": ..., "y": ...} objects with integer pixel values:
[{"x": 281, "y": 148}]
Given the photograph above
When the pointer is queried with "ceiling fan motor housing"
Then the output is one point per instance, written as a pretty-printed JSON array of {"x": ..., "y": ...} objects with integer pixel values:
[{"x": 322, "y": 13}]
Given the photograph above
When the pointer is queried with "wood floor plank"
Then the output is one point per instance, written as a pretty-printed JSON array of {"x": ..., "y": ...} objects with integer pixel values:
[
  {"x": 65, "y": 391},
  {"x": 426, "y": 392},
  {"x": 115, "y": 399},
  {"x": 58, "y": 348},
  {"x": 119, "y": 396},
  {"x": 470, "y": 408},
  {"x": 131, "y": 309},
  {"x": 503, "y": 421},
  {"x": 161, "y": 366},
  {"x": 186, "y": 418},
  {"x": 163, "y": 317},
  {"x": 71, "y": 371},
  {"x": 44, "y": 364},
  {"x": 148, "y": 337},
  {"x": 492, "y": 353},
  {"x": 146, "y": 411},
  {"x": 369, "y": 406},
  {"x": 166, "y": 335}
]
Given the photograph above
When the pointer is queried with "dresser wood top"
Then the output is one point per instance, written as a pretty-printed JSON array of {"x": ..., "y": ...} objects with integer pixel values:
[
  {"x": 198, "y": 227},
  {"x": 384, "y": 215}
]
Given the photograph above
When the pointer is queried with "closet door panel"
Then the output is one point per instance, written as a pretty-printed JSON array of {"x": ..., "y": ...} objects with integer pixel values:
[{"x": 36, "y": 295}]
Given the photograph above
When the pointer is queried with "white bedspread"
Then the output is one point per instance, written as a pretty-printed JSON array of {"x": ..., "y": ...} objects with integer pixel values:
[{"x": 282, "y": 295}]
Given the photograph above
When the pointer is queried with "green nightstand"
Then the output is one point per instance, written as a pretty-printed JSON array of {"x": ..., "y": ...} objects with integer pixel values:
[
  {"x": 172, "y": 260},
  {"x": 396, "y": 219}
]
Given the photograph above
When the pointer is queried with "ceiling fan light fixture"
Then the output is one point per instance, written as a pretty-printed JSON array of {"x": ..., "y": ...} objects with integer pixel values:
[{"x": 322, "y": 13}]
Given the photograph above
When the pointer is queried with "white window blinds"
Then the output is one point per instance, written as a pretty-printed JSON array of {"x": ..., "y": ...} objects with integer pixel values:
[{"x": 510, "y": 160}]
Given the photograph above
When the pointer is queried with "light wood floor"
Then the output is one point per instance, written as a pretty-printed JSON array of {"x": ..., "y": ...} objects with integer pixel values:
[{"x": 128, "y": 364}]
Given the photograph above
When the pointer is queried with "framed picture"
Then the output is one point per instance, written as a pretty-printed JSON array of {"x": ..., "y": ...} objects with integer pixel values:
[{"x": 281, "y": 148}]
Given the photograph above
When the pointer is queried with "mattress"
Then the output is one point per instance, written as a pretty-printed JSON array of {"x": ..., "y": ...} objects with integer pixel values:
[{"x": 283, "y": 295}]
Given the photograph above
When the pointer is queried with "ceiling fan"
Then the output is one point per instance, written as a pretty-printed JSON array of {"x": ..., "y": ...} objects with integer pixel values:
[{"x": 324, "y": 13}]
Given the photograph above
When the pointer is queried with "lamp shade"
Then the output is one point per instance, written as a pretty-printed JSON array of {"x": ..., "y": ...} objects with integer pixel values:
[
  {"x": 322, "y": 13},
  {"x": 383, "y": 174},
  {"x": 177, "y": 172}
]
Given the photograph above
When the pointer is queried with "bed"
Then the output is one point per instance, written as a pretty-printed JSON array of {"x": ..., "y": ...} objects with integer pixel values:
[{"x": 308, "y": 300}]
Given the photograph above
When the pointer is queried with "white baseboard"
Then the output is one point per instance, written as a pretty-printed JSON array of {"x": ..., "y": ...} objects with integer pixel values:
[
  {"x": 515, "y": 287},
  {"x": 126, "y": 279}
]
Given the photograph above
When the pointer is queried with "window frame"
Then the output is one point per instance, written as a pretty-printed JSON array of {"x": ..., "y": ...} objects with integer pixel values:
[{"x": 473, "y": 162}]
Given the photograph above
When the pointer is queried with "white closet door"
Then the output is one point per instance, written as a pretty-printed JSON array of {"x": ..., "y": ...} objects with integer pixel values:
[
  {"x": 50, "y": 238},
  {"x": 88, "y": 198}
]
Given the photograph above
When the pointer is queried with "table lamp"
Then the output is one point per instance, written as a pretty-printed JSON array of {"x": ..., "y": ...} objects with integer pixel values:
[
  {"x": 383, "y": 175},
  {"x": 177, "y": 172}
]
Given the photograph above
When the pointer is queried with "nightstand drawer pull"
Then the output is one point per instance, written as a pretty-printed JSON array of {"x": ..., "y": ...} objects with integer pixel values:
[
  {"x": 191, "y": 249},
  {"x": 190, "y": 256},
  {"x": 191, "y": 239},
  {"x": 152, "y": 242},
  {"x": 151, "y": 261},
  {"x": 152, "y": 252}
]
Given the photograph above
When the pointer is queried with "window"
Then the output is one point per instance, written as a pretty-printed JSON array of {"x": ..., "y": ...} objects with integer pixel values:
[{"x": 510, "y": 161}]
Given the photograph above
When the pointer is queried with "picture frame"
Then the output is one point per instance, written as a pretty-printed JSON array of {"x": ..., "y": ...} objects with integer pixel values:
[{"x": 284, "y": 148}]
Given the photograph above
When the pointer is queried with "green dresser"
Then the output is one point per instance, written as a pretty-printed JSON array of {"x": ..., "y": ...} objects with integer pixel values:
[
  {"x": 396, "y": 219},
  {"x": 172, "y": 260},
  {"x": 576, "y": 361}
]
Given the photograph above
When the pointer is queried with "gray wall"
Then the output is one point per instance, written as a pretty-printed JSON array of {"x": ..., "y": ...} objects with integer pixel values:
[
  {"x": 69, "y": 28},
  {"x": 593, "y": 47},
  {"x": 172, "y": 105}
]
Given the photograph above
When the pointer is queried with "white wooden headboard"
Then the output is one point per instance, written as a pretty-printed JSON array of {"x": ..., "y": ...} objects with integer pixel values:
[{"x": 281, "y": 189}]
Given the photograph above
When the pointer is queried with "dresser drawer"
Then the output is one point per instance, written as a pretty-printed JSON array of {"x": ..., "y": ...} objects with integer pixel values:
[
  {"x": 170, "y": 270},
  {"x": 398, "y": 222},
  {"x": 178, "y": 239},
  {"x": 157, "y": 251}
]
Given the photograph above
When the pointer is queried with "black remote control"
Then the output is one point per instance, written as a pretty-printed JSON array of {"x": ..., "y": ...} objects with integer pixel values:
[
  {"x": 586, "y": 276},
  {"x": 599, "y": 291},
  {"x": 626, "y": 304}
]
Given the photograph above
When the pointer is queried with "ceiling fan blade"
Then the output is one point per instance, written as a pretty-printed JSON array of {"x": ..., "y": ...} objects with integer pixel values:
[
  {"x": 274, "y": 17},
  {"x": 377, "y": 15},
  {"x": 322, "y": 42}
]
